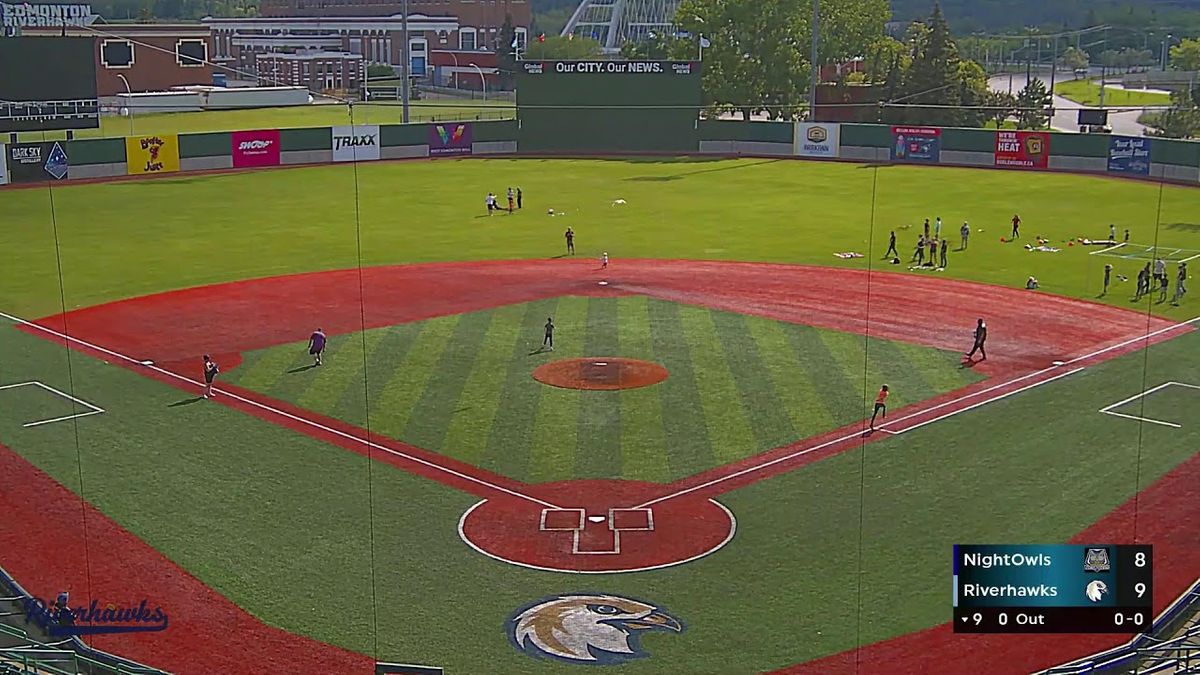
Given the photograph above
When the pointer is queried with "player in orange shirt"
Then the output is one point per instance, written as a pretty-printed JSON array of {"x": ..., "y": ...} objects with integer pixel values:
[{"x": 880, "y": 405}]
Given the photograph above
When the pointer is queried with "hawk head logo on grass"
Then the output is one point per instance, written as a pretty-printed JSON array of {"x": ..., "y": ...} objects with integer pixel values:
[
  {"x": 588, "y": 629},
  {"x": 449, "y": 137}
]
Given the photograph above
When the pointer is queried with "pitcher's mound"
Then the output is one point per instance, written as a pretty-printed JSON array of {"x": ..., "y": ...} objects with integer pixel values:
[{"x": 600, "y": 373}]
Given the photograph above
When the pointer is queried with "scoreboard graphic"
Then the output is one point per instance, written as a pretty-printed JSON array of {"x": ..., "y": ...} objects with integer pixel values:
[
  {"x": 608, "y": 106},
  {"x": 1093, "y": 588},
  {"x": 48, "y": 83}
]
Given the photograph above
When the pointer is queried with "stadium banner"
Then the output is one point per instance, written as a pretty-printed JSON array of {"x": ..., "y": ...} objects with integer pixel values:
[
  {"x": 815, "y": 139},
  {"x": 358, "y": 143},
  {"x": 255, "y": 148},
  {"x": 3, "y": 166},
  {"x": 1129, "y": 154},
  {"x": 917, "y": 144},
  {"x": 450, "y": 139},
  {"x": 35, "y": 162},
  {"x": 152, "y": 154},
  {"x": 1023, "y": 149}
]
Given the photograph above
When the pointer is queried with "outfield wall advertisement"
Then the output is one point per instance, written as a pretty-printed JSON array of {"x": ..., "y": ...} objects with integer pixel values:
[
  {"x": 450, "y": 139},
  {"x": 152, "y": 154},
  {"x": 817, "y": 139},
  {"x": 1129, "y": 155},
  {"x": 35, "y": 162},
  {"x": 357, "y": 143},
  {"x": 1023, "y": 149},
  {"x": 255, "y": 148},
  {"x": 916, "y": 144}
]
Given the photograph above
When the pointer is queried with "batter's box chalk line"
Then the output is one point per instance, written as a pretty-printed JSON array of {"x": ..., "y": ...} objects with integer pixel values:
[
  {"x": 92, "y": 409},
  {"x": 1109, "y": 409}
]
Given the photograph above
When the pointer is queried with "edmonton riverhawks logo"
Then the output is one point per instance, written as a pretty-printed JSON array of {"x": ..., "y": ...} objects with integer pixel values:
[
  {"x": 587, "y": 629},
  {"x": 448, "y": 136}
]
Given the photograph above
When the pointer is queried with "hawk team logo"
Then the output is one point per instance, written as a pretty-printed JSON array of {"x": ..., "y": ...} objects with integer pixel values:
[
  {"x": 449, "y": 137},
  {"x": 1096, "y": 560},
  {"x": 817, "y": 135},
  {"x": 588, "y": 629},
  {"x": 1096, "y": 590}
]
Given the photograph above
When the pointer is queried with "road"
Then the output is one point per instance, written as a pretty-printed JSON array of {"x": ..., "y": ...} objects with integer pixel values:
[{"x": 1065, "y": 111}]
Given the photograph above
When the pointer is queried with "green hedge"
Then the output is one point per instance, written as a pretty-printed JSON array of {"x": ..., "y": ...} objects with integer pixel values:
[
  {"x": 96, "y": 151},
  {"x": 205, "y": 145}
]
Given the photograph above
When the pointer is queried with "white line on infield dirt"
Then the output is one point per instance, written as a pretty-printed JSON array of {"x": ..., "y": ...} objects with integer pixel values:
[
  {"x": 842, "y": 439},
  {"x": 287, "y": 415}
]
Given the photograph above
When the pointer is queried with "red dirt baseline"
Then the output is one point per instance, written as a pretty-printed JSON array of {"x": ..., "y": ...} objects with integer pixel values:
[{"x": 598, "y": 526}]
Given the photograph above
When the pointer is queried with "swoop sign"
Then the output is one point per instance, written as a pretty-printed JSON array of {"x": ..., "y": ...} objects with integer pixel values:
[
  {"x": 356, "y": 143},
  {"x": 255, "y": 148}
]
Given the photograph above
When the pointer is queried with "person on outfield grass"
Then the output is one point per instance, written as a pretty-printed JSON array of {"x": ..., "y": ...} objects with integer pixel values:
[
  {"x": 1143, "y": 282},
  {"x": 880, "y": 405},
  {"x": 210, "y": 373},
  {"x": 965, "y": 233},
  {"x": 1160, "y": 269},
  {"x": 926, "y": 233},
  {"x": 919, "y": 254},
  {"x": 892, "y": 246},
  {"x": 316, "y": 346},
  {"x": 933, "y": 246},
  {"x": 980, "y": 342},
  {"x": 491, "y": 203},
  {"x": 520, "y": 197},
  {"x": 1180, "y": 282},
  {"x": 937, "y": 228},
  {"x": 1016, "y": 222},
  {"x": 512, "y": 200},
  {"x": 1107, "y": 277},
  {"x": 945, "y": 246},
  {"x": 1127, "y": 235},
  {"x": 570, "y": 237},
  {"x": 1163, "y": 283},
  {"x": 1112, "y": 233},
  {"x": 548, "y": 341}
]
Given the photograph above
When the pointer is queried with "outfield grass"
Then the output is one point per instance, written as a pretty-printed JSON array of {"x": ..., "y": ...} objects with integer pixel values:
[
  {"x": 316, "y": 115},
  {"x": 462, "y": 386},
  {"x": 131, "y": 238},
  {"x": 1087, "y": 92}
]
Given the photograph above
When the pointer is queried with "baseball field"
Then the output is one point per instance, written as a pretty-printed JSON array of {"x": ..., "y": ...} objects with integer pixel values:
[{"x": 694, "y": 486}]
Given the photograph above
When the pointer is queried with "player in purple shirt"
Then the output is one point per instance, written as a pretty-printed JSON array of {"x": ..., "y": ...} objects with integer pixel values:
[{"x": 316, "y": 345}]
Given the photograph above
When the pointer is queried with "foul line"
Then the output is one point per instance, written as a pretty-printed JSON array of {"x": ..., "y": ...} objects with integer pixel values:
[
  {"x": 284, "y": 414},
  {"x": 94, "y": 410},
  {"x": 858, "y": 434}
]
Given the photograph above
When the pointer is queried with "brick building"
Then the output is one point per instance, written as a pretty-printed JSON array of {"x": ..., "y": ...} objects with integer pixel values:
[
  {"x": 150, "y": 57},
  {"x": 319, "y": 71}
]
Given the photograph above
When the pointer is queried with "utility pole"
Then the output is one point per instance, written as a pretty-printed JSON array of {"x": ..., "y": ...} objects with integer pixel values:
[
  {"x": 1053, "y": 64},
  {"x": 405, "y": 82},
  {"x": 816, "y": 69}
]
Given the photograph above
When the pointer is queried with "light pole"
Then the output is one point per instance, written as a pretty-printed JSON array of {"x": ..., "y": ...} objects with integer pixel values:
[
  {"x": 404, "y": 81},
  {"x": 129, "y": 103},
  {"x": 816, "y": 71},
  {"x": 455, "y": 57},
  {"x": 482, "y": 79},
  {"x": 1165, "y": 44}
]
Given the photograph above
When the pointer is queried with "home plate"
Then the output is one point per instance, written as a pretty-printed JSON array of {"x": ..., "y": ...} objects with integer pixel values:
[
  {"x": 603, "y": 283},
  {"x": 597, "y": 519},
  {"x": 602, "y": 363}
]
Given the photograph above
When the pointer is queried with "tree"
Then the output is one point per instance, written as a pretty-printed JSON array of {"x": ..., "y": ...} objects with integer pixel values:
[
  {"x": 1181, "y": 120},
  {"x": 972, "y": 93},
  {"x": 564, "y": 48},
  {"x": 882, "y": 54},
  {"x": 1033, "y": 105},
  {"x": 1186, "y": 55},
  {"x": 654, "y": 47},
  {"x": 506, "y": 53},
  {"x": 1074, "y": 58},
  {"x": 933, "y": 88},
  {"x": 1000, "y": 106}
]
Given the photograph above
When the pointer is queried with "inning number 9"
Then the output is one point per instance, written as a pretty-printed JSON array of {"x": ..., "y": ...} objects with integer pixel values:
[
  {"x": 1140, "y": 588},
  {"x": 977, "y": 617},
  {"x": 1140, "y": 559}
]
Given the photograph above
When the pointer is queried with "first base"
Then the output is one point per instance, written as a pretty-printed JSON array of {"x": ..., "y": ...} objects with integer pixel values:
[{"x": 603, "y": 283}]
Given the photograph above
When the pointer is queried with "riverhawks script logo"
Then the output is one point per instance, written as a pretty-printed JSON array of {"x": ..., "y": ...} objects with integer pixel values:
[
  {"x": 448, "y": 136},
  {"x": 587, "y": 629}
]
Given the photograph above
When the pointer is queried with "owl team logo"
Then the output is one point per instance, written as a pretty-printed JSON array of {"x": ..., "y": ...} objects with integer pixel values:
[
  {"x": 1096, "y": 560},
  {"x": 588, "y": 629}
]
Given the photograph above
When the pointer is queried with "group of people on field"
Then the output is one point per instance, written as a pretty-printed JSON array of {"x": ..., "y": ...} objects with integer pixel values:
[{"x": 515, "y": 200}]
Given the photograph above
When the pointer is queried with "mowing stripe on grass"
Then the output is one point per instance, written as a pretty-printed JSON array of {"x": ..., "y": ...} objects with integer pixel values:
[
  {"x": 261, "y": 370},
  {"x": 797, "y": 393},
  {"x": 555, "y": 436},
  {"x": 888, "y": 365},
  {"x": 467, "y": 435},
  {"x": 391, "y": 411},
  {"x": 941, "y": 369},
  {"x": 840, "y": 394},
  {"x": 643, "y": 445},
  {"x": 762, "y": 405},
  {"x": 433, "y": 410},
  {"x": 392, "y": 348},
  {"x": 508, "y": 442},
  {"x": 598, "y": 452},
  {"x": 341, "y": 369},
  {"x": 724, "y": 415},
  {"x": 689, "y": 448}
]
